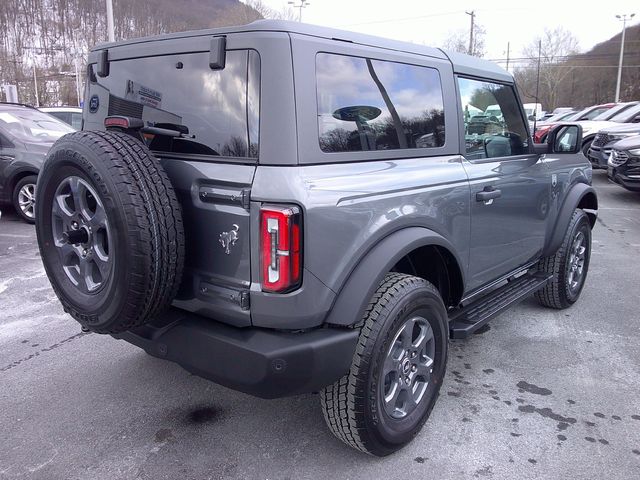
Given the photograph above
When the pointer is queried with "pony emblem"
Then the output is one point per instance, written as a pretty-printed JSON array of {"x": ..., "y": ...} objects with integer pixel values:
[{"x": 229, "y": 239}]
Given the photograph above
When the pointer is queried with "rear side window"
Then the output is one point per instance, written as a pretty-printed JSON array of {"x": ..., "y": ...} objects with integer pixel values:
[
  {"x": 493, "y": 122},
  {"x": 216, "y": 111},
  {"x": 366, "y": 104}
]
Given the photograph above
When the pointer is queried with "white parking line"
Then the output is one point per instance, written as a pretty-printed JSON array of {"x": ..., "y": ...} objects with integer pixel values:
[
  {"x": 618, "y": 208},
  {"x": 13, "y": 235}
]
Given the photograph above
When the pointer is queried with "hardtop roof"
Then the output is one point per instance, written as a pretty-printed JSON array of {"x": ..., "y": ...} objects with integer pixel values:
[{"x": 463, "y": 64}]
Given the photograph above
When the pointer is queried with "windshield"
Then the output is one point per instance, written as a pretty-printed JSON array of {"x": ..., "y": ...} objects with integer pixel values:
[
  {"x": 33, "y": 126},
  {"x": 588, "y": 114},
  {"x": 627, "y": 115},
  {"x": 559, "y": 116},
  {"x": 613, "y": 112}
]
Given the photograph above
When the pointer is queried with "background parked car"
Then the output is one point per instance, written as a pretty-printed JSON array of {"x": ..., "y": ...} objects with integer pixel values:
[
  {"x": 588, "y": 113},
  {"x": 605, "y": 139},
  {"x": 621, "y": 113},
  {"x": 543, "y": 127},
  {"x": 624, "y": 163},
  {"x": 26, "y": 134},
  {"x": 69, "y": 115}
]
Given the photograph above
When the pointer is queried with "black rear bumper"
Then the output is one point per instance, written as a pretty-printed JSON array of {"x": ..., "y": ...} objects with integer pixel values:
[{"x": 262, "y": 362}]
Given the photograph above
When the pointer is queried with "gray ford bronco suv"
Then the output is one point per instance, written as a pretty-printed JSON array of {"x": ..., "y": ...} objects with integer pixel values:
[{"x": 283, "y": 208}]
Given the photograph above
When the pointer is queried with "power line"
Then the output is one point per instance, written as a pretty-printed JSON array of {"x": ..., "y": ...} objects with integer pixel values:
[{"x": 374, "y": 22}]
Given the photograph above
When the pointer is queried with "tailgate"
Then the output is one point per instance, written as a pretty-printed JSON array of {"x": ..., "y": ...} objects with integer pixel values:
[
  {"x": 202, "y": 121},
  {"x": 215, "y": 209}
]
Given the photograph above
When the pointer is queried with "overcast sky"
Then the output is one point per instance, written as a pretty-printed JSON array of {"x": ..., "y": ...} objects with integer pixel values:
[{"x": 429, "y": 22}]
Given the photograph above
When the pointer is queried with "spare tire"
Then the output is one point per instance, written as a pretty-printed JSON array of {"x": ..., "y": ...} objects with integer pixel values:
[{"x": 109, "y": 229}]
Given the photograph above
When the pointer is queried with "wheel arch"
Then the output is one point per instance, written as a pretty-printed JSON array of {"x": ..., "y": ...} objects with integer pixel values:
[
  {"x": 581, "y": 196},
  {"x": 16, "y": 176},
  {"x": 400, "y": 251}
]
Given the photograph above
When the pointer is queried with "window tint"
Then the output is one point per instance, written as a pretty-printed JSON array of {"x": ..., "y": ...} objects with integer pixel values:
[
  {"x": 366, "y": 104},
  {"x": 493, "y": 123},
  {"x": 219, "y": 108}
]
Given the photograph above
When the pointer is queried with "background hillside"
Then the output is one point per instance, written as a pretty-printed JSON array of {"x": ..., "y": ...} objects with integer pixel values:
[
  {"x": 49, "y": 39},
  {"x": 584, "y": 79}
]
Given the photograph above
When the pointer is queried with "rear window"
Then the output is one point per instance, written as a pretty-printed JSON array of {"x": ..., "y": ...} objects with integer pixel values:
[
  {"x": 366, "y": 104},
  {"x": 216, "y": 110}
]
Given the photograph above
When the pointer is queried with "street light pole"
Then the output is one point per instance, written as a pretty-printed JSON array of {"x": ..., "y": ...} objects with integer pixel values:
[
  {"x": 35, "y": 85},
  {"x": 303, "y": 4},
  {"x": 110, "y": 32},
  {"x": 624, "y": 28}
]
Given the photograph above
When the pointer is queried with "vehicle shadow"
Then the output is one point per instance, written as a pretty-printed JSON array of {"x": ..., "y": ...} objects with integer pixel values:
[{"x": 191, "y": 414}]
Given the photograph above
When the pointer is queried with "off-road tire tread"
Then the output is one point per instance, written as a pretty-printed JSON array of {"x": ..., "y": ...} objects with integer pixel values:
[
  {"x": 553, "y": 294},
  {"x": 342, "y": 402},
  {"x": 154, "y": 222}
]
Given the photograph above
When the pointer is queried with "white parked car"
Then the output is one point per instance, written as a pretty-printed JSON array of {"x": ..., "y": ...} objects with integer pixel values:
[{"x": 69, "y": 115}]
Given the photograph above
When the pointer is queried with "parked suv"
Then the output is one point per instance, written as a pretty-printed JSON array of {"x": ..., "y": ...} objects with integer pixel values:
[
  {"x": 26, "y": 135},
  {"x": 284, "y": 208},
  {"x": 600, "y": 148},
  {"x": 624, "y": 163}
]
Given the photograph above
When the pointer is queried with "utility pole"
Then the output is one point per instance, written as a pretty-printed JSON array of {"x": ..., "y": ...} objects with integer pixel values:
[
  {"x": 35, "y": 84},
  {"x": 624, "y": 27},
  {"x": 303, "y": 4},
  {"x": 472, "y": 14},
  {"x": 508, "y": 45},
  {"x": 110, "y": 32}
]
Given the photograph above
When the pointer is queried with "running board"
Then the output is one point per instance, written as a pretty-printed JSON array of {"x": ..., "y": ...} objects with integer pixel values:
[{"x": 466, "y": 320}]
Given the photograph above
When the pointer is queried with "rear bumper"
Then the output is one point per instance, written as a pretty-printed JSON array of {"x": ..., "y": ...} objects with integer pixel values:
[{"x": 262, "y": 362}]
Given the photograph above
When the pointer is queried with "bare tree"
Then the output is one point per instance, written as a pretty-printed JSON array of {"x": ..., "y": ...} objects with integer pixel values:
[
  {"x": 286, "y": 13},
  {"x": 42, "y": 41},
  {"x": 458, "y": 41},
  {"x": 555, "y": 47}
]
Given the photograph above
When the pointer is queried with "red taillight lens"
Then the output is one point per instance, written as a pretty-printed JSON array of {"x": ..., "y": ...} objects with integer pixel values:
[
  {"x": 115, "y": 121},
  {"x": 281, "y": 248}
]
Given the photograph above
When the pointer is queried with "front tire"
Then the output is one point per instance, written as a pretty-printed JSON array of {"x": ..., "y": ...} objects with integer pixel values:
[
  {"x": 397, "y": 370},
  {"x": 569, "y": 265},
  {"x": 24, "y": 198}
]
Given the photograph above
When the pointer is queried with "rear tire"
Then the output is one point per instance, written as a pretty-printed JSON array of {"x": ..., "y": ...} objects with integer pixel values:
[
  {"x": 109, "y": 229},
  {"x": 403, "y": 338},
  {"x": 569, "y": 265},
  {"x": 24, "y": 198}
]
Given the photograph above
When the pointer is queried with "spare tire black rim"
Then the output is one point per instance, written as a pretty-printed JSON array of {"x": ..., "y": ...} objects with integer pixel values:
[
  {"x": 81, "y": 234},
  {"x": 407, "y": 367}
]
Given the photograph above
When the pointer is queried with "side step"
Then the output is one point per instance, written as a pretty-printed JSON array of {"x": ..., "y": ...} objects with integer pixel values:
[{"x": 466, "y": 320}]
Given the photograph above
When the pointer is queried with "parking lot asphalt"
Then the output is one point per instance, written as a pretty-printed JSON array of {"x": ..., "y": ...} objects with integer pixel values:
[{"x": 541, "y": 394}]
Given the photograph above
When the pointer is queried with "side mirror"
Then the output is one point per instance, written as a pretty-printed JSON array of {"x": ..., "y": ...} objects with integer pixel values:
[{"x": 565, "y": 139}]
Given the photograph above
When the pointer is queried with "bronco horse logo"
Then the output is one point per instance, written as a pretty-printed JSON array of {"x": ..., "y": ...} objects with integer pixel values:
[{"x": 229, "y": 239}]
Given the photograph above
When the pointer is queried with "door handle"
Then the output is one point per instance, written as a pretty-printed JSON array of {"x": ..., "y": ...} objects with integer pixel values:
[{"x": 489, "y": 193}]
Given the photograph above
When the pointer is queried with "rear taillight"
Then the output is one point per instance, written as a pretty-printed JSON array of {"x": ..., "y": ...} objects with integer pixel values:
[{"x": 281, "y": 248}]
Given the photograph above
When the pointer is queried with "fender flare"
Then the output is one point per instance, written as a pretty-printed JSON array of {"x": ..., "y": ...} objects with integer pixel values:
[
  {"x": 571, "y": 202},
  {"x": 357, "y": 290}
]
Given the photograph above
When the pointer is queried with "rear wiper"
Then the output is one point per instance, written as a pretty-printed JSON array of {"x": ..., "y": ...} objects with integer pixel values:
[
  {"x": 168, "y": 130},
  {"x": 131, "y": 125}
]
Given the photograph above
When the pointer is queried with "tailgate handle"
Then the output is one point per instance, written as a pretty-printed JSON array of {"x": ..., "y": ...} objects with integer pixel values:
[{"x": 219, "y": 195}]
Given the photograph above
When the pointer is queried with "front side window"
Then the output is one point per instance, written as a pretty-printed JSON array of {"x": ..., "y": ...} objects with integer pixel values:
[
  {"x": 366, "y": 104},
  {"x": 215, "y": 112},
  {"x": 493, "y": 123}
]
